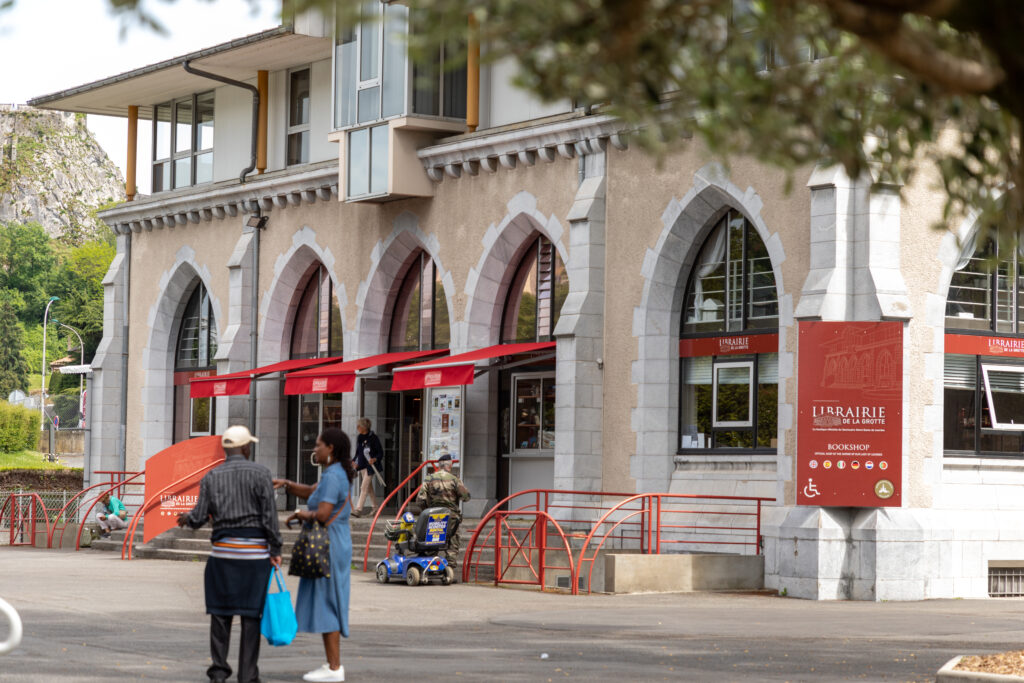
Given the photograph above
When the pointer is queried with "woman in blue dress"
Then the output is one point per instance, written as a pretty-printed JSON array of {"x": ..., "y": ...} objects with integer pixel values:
[{"x": 322, "y": 604}]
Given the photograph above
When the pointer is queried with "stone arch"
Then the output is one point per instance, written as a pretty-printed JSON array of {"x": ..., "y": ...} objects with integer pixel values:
[
  {"x": 277, "y": 309},
  {"x": 164, "y": 321},
  {"x": 686, "y": 223},
  {"x": 375, "y": 299},
  {"x": 503, "y": 245}
]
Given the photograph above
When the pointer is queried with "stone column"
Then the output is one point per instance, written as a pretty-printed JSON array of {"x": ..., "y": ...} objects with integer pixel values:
[
  {"x": 233, "y": 347},
  {"x": 105, "y": 387},
  {"x": 579, "y": 412}
]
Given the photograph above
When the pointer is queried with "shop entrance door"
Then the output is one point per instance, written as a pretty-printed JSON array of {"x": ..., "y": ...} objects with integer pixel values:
[
  {"x": 308, "y": 415},
  {"x": 400, "y": 428}
]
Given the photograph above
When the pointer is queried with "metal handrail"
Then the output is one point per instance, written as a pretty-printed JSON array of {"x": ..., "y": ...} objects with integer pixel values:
[
  {"x": 80, "y": 494},
  {"x": 655, "y": 526},
  {"x": 37, "y": 499},
  {"x": 85, "y": 517},
  {"x": 380, "y": 508},
  {"x": 540, "y": 522},
  {"x": 130, "y": 535}
]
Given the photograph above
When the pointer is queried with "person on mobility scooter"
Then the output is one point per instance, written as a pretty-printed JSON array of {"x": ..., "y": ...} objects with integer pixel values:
[{"x": 419, "y": 544}]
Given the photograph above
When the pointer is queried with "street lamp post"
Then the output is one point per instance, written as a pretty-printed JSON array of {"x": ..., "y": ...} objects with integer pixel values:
[
  {"x": 42, "y": 389},
  {"x": 81, "y": 358}
]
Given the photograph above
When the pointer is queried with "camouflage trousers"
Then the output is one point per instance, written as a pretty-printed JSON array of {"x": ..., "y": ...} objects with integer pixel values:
[{"x": 455, "y": 543}]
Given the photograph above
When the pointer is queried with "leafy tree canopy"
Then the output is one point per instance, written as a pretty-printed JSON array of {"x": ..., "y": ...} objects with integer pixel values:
[
  {"x": 26, "y": 261},
  {"x": 869, "y": 84},
  {"x": 14, "y": 368}
]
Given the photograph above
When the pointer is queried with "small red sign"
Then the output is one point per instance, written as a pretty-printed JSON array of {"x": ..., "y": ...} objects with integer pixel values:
[
  {"x": 432, "y": 379},
  {"x": 172, "y": 465},
  {"x": 729, "y": 346},
  {"x": 985, "y": 345},
  {"x": 850, "y": 393}
]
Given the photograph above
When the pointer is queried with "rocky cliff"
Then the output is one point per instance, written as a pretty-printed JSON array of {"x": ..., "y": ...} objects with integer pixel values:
[{"x": 53, "y": 172}]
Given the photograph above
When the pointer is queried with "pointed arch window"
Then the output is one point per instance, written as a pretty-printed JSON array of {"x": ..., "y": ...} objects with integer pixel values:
[
  {"x": 536, "y": 294},
  {"x": 983, "y": 385},
  {"x": 194, "y": 353},
  {"x": 317, "y": 330},
  {"x": 728, "y": 343},
  {"x": 419, "y": 318}
]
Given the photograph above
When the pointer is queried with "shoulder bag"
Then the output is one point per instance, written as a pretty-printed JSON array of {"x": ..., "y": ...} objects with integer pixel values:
[{"x": 311, "y": 554}]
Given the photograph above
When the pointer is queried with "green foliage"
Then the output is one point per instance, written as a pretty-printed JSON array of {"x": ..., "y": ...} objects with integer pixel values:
[
  {"x": 19, "y": 428},
  {"x": 65, "y": 406},
  {"x": 26, "y": 460},
  {"x": 56, "y": 347},
  {"x": 79, "y": 284},
  {"x": 14, "y": 369},
  {"x": 27, "y": 260}
]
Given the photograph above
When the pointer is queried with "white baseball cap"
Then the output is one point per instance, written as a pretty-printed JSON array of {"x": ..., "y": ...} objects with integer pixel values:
[{"x": 237, "y": 436}]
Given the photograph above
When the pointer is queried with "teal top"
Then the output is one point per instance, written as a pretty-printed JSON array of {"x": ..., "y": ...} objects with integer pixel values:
[{"x": 115, "y": 506}]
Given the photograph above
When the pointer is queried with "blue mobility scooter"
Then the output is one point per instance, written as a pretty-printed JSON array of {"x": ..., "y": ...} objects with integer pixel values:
[{"x": 418, "y": 544}]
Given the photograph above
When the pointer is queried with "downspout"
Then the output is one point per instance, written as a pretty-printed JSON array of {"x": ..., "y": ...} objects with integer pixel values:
[
  {"x": 254, "y": 312},
  {"x": 473, "y": 76},
  {"x": 124, "y": 348},
  {"x": 255, "y": 109}
]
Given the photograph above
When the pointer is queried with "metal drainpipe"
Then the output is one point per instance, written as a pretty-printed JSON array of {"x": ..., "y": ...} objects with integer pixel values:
[
  {"x": 255, "y": 109},
  {"x": 124, "y": 349}
]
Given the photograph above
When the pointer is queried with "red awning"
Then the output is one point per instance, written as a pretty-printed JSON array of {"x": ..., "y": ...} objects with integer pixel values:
[
  {"x": 237, "y": 383},
  {"x": 340, "y": 377},
  {"x": 459, "y": 369}
]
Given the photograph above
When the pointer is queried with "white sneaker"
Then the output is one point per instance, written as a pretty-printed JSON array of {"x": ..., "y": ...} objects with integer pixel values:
[{"x": 326, "y": 673}]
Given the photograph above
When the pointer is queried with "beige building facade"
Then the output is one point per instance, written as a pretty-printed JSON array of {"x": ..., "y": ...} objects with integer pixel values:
[{"x": 401, "y": 233}]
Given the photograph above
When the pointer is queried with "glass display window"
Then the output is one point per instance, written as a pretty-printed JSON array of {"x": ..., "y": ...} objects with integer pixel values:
[{"x": 533, "y": 413}]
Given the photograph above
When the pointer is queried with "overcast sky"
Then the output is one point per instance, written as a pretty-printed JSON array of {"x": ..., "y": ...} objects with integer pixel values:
[{"x": 51, "y": 45}]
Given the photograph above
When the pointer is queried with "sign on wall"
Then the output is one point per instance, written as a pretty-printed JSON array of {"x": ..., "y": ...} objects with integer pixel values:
[
  {"x": 169, "y": 466},
  {"x": 445, "y": 409},
  {"x": 850, "y": 422}
]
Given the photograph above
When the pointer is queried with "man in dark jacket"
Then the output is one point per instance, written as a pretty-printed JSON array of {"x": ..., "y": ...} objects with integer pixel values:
[
  {"x": 238, "y": 498},
  {"x": 369, "y": 461},
  {"x": 443, "y": 489}
]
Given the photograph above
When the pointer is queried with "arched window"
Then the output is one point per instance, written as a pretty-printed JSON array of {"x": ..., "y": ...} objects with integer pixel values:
[
  {"x": 193, "y": 356},
  {"x": 536, "y": 295},
  {"x": 317, "y": 329},
  {"x": 984, "y": 362},
  {"x": 419, "y": 319},
  {"x": 728, "y": 344}
]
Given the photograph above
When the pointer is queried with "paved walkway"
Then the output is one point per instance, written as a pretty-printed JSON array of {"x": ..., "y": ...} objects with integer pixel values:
[{"x": 92, "y": 617}]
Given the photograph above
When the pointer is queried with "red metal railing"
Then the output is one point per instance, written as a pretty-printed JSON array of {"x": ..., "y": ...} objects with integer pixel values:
[
  {"x": 686, "y": 519},
  {"x": 20, "y": 518},
  {"x": 516, "y": 546},
  {"x": 127, "y": 545},
  {"x": 115, "y": 485},
  {"x": 644, "y": 523},
  {"x": 110, "y": 489},
  {"x": 380, "y": 509}
]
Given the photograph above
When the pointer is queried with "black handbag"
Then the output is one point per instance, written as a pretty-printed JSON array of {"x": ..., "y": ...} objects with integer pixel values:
[{"x": 311, "y": 554}]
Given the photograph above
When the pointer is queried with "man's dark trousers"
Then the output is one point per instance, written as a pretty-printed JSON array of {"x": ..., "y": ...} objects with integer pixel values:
[{"x": 248, "y": 653}]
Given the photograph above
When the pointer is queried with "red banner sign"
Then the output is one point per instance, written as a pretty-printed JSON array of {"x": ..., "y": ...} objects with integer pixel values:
[
  {"x": 850, "y": 424},
  {"x": 172, "y": 465},
  {"x": 984, "y": 345},
  {"x": 728, "y": 346}
]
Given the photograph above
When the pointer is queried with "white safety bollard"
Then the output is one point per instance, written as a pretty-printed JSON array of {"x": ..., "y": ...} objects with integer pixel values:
[{"x": 14, "y": 637}]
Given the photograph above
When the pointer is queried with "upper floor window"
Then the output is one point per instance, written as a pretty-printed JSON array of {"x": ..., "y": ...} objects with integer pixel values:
[
  {"x": 419, "y": 319},
  {"x": 536, "y": 295},
  {"x": 367, "y": 168},
  {"x": 728, "y": 347},
  {"x": 183, "y": 142},
  {"x": 374, "y": 79},
  {"x": 732, "y": 287},
  {"x": 298, "y": 117},
  {"x": 317, "y": 329},
  {"x": 197, "y": 338},
  {"x": 987, "y": 289}
]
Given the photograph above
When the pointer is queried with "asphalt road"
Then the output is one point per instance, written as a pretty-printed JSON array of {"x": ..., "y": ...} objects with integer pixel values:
[{"x": 91, "y": 617}]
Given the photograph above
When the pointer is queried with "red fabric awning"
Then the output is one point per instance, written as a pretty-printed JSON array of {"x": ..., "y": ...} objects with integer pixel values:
[
  {"x": 458, "y": 369},
  {"x": 340, "y": 377},
  {"x": 237, "y": 383}
]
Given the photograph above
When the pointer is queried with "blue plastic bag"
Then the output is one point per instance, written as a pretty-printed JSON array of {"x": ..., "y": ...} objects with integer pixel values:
[{"x": 278, "y": 625}]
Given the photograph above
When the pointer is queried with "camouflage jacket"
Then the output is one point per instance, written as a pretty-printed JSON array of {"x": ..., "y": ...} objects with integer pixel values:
[{"x": 442, "y": 488}]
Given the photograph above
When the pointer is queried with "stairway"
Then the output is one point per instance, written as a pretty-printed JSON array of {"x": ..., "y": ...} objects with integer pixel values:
[{"x": 194, "y": 544}]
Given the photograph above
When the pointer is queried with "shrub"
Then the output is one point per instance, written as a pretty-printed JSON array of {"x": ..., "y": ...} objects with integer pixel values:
[{"x": 19, "y": 428}]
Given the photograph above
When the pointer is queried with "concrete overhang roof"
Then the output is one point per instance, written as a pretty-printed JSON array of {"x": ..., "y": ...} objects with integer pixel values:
[{"x": 240, "y": 59}]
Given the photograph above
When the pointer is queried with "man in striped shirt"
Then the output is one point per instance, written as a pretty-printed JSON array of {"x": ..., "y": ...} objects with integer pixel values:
[{"x": 238, "y": 499}]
